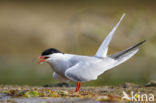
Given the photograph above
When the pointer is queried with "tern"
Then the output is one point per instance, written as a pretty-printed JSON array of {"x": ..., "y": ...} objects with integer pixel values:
[{"x": 79, "y": 68}]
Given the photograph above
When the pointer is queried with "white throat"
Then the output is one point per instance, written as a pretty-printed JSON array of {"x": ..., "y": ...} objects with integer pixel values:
[{"x": 56, "y": 57}]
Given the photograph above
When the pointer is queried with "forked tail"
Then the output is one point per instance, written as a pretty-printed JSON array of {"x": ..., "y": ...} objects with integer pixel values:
[{"x": 102, "y": 51}]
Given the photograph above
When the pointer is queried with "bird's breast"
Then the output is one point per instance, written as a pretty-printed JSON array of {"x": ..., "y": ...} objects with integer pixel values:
[{"x": 59, "y": 67}]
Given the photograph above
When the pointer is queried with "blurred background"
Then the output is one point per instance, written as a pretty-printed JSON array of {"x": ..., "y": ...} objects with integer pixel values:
[{"x": 78, "y": 27}]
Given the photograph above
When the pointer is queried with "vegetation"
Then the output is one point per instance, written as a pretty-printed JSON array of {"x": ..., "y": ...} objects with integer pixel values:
[{"x": 102, "y": 94}]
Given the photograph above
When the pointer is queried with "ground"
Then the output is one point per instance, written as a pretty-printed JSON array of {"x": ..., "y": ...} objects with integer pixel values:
[{"x": 29, "y": 94}]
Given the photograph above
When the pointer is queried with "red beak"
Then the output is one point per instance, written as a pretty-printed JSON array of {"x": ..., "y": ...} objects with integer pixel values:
[{"x": 41, "y": 59}]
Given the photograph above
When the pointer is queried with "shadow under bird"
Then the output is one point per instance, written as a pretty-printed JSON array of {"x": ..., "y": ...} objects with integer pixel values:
[{"x": 78, "y": 68}]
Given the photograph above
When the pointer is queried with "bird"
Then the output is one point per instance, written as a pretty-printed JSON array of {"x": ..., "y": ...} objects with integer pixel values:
[{"x": 80, "y": 68}]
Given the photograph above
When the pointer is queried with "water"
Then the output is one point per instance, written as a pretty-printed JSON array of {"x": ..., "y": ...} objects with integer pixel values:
[{"x": 8, "y": 99}]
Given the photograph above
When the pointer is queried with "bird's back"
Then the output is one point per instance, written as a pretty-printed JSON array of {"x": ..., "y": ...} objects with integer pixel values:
[{"x": 87, "y": 68}]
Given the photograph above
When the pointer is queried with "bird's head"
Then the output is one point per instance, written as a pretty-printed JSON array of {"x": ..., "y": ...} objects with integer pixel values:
[{"x": 47, "y": 55}]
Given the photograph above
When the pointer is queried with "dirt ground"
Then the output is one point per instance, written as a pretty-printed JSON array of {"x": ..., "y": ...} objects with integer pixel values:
[{"x": 104, "y": 94}]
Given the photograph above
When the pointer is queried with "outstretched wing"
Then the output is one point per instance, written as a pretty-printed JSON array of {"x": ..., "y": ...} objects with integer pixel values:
[{"x": 102, "y": 51}]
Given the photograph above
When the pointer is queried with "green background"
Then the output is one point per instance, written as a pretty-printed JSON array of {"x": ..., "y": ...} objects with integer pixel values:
[{"x": 78, "y": 27}]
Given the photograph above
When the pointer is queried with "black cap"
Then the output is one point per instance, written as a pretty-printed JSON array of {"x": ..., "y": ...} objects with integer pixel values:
[{"x": 50, "y": 51}]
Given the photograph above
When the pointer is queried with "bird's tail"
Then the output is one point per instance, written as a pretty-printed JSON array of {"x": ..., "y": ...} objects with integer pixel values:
[{"x": 102, "y": 51}]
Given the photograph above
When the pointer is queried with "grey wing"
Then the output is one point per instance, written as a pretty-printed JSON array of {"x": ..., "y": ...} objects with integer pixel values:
[
  {"x": 86, "y": 71},
  {"x": 126, "y": 54},
  {"x": 121, "y": 53},
  {"x": 125, "y": 57},
  {"x": 79, "y": 72}
]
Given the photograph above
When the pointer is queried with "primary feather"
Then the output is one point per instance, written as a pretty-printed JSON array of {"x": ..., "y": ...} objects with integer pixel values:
[{"x": 119, "y": 54}]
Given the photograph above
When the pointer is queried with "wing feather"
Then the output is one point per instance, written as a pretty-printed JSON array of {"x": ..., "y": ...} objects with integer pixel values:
[
  {"x": 80, "y": 73},
  {"x": 86, "y": 71},
  {"x": 117, "y": 55},
  {"x": 125, "y": 57}
]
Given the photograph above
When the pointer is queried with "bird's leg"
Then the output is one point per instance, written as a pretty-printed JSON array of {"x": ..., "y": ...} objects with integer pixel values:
[{"x": 78, "y": 86}]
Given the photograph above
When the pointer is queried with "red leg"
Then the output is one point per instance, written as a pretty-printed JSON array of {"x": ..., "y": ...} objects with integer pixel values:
[{"x": 78, "y": 86}]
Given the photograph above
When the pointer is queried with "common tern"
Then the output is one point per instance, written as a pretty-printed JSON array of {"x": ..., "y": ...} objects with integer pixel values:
[{"x": 78, "y": 68}]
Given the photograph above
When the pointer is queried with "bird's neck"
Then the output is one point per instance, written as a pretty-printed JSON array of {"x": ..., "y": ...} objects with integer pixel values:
[
  {"x": 58, "y": 62},
  {"x": 57, "y": 57}
]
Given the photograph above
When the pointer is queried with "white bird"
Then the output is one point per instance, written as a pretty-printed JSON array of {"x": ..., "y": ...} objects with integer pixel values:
[{"x": 78, "y": 68}]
